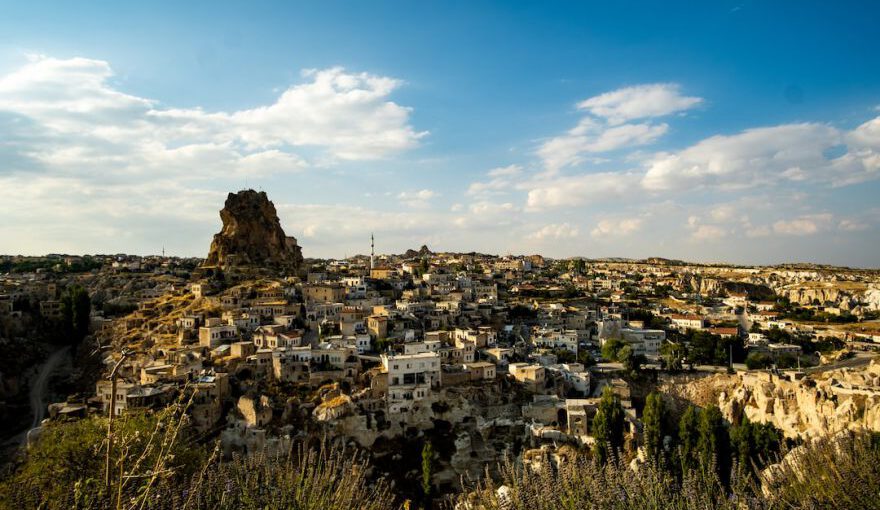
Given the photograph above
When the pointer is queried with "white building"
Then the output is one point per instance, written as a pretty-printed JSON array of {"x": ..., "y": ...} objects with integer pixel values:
[
  {"x": 684, "y": 322},
  {"x": 644, "y": 341},
  {"x": 556, "y": 339},
  {"x": 213, "y": 333},
  {"x": 411, "y": 378}
]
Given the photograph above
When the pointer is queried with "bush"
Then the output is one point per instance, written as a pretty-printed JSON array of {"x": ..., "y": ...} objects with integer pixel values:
[
  {"x": 758, "y": 360},
  {"x": 838, "y": 473}
]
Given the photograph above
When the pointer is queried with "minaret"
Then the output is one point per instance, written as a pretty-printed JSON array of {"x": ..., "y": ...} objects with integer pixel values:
[{"x": 372, "y": 252}]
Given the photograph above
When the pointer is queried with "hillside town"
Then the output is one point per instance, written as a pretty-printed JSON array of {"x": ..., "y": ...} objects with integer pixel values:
[{"x": 486, "y": 355}]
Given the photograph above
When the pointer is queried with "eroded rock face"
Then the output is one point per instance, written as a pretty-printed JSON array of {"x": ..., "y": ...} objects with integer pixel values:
[
  {"x": 252, "y": 235},
  {"x": 818, "y": 405}
]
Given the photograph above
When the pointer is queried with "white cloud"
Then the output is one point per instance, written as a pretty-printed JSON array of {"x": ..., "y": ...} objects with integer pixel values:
[
  {"x": 803, "y": 225},
  {"x": 769, "y": 156},
  {"x": 639, "y": 102},
  {"x": 758, "y": 231},
  {"x": 506, "y": 171},
  {"x": 590, "y": 137},
  {"x": 708, "y": 232},
  {"x": 116, "y": 171},
  {"x": 616, "y": 227},
  {"x": 606, "y": 127},
  {"x": 86, "y": 124},
  {"x": 418, "y": 198},
  {"x": 852, "y": 225},
  {"x": 501, "y": 179},
  {"x": 724, "y": 212},
  {"x": 578, "y": 190},
  {"x": 555, "y": 231},
  {"x": 487, "y": 214}
]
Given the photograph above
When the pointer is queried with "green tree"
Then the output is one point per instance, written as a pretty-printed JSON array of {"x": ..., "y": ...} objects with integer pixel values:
[
  {"x": 625, "y": 355},
  {"x": 76, "y": 308},
  {"x": 585, "y": 358},
  {"x": 714, "y": 442},
  {"x": 754, "y": 444},
  {"x": 611, "y": 348},
  {"x": 756, "y": 360},
  {"x": 652, "y": 421},
  {"x": 427, "y": 467},
  {"x": 672, "y": 354},
  {"x": 688, "y": 435},
  {"x": 608, "y": 426}
]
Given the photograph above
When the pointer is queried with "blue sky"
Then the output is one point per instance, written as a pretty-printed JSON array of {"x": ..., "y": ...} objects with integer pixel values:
[{"x": 730, "y": 131}]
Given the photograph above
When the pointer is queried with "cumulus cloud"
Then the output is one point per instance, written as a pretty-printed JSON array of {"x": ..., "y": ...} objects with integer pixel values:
[
  {"x": 803, "y": 225},
  {"x": 500, "y": 180},
  {"x": 708, "y": 232},
  {"x": 609, "y": 227},
  {"x": 102, "y": 162},
  {"x": 578, "y": 190},
  {"x": 769, "y": 156},
  {"x": 639, "y": 102},
  {"x": 606, "y": 126},
  {"x": 852, "y": 225},
  {"x": 87, "y": 124},
  {"x": 590, "y": 137},
  {"x": 487, "y": 214},
  {"x": 418, "y": 198},
  {"x": 554, "y": 231}
]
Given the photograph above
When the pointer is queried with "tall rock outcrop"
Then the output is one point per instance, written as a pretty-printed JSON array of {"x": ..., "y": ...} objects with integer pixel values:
[{"x": 252, "y": 235}]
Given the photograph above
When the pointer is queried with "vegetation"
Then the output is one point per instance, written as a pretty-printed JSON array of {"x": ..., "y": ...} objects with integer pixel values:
[
  {"x": 616, "y": 349},
  {"x": 706, "y": 348},
  {"x": 688, "y": 435},
  {"x": 672, "y": 355},
  {"x": 713, "y": 444},
  {"x": 55, "y": 264},
  {"x": 754, "y": 445},
  {"x": 156, "y": 464},
  {"x": 76, "y": 308},
  {"x": 652, "y": 419},
  {"x": 65, "y": 468},
  {"x": 427, "y": 468},
  {"x": 758, "y": 360},
  {"x": 608, "y": 426},
  {"x": 835, "y": 473}
]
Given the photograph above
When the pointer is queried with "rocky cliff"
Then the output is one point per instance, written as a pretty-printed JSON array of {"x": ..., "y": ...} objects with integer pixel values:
[
  {"x": 252, "y": 235},
  {"x": 690, "y": 282},
  {"x": 423, "y": 251},
  {"x": 814, "y": 406}
]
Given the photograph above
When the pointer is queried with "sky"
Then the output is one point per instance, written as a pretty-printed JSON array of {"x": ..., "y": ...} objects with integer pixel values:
[{"x": 728, "y": 131}]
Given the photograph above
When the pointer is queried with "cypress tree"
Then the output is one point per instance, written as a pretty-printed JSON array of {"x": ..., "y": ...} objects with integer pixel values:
[
  {"x": 608, "y": 426},
  {"x": 652, "y": 420},
  {"x": 714, "y": 442},
  {"x": 76, "y": 308},
  {"x": 427, "y": 467},
  {"x": 688, "y": 435}
]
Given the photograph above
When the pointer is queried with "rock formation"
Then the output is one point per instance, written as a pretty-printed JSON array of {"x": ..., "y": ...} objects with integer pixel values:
[
  {"x": 423, "y": 251},
  {"x": 252, "y": 235},
  {"x": 814, "y": 406},
  {"x": 691, "y": 282}
]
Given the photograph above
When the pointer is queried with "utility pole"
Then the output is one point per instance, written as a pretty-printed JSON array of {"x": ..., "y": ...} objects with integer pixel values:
[{"x": 113, "y": 373}]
